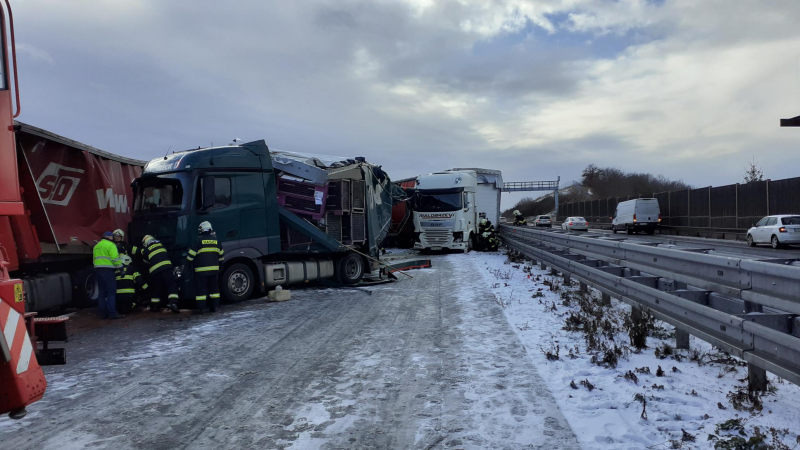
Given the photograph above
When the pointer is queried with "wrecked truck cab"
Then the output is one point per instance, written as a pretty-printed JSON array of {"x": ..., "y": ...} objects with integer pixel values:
[{"x": 282, "y": 218}]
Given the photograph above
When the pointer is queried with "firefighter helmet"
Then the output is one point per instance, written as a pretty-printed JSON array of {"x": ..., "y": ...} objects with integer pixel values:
[
  {"x": 125, "y": 259},
  {"x": 483, "y": 221},
  {"x": 517, "y": 213},
  {"x": 205, "y": 227},
  {"x": 146, "y": 240},
  {"x": 119, "y": 233}
]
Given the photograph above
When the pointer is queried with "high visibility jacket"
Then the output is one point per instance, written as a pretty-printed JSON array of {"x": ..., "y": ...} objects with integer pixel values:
[
  {"x": 129, "y": 280},
  {"x": 156, "y": 256},
  {"x": 206, "y": 253},
  {"x": 106, "y": 255},
  {"x": 520, "y": 220}
]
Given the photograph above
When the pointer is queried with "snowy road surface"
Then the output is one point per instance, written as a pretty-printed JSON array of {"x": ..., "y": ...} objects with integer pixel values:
[{"x": 425, "y": 363}]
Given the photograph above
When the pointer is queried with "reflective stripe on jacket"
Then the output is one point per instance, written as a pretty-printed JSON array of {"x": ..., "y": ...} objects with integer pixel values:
[
  {"x": 156, "y": 256},
  {"x": 206, "y": 254},
  {"x": 105, "y": 255},
  {"x": 129, "y": 281}
]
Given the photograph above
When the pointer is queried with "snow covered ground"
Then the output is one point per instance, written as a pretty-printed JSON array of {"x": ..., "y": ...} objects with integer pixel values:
[{"x": 699, "y": 400}]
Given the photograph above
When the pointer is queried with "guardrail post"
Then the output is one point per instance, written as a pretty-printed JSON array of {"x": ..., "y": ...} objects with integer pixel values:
[
  {"x": 605, "y": 300},
  {"x": 553, "y": 272},
  {"x": 583, "y": 287},
  {"x": 567, "y": 279},
  {"x": 544, "y": 266},
  {"x": 750, "y": 307},
  {"x": 681, "y": 339},
  {"x": 756, "y": 378}
]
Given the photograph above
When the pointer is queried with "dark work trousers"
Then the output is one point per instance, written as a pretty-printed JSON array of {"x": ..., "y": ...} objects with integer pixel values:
[
  {"x": 163, "y": 288},
  {"x": 206, "y": 288},
  {"x": 126, "y": 303},
  {"x": 107, "y": 292}
]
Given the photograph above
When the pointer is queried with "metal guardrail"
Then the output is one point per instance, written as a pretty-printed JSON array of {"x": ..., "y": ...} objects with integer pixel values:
[{"x": 747, "y": 307}]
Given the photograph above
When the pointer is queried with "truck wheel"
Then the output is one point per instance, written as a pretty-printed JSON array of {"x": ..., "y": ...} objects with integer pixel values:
[
  {"x": 84, "y": 284},
  {"x": 237, "y": 283},
  {"x": 351, "y": 268},
  {"x": 469, "y": 245}
]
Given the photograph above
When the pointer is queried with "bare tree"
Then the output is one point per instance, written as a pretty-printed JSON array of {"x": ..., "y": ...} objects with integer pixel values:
[{"x": 753, "y": 172}]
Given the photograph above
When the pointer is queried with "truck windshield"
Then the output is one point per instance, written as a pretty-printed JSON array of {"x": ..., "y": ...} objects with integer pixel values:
[
  {"x": 430, "y": 202},
  {"x": 159, "y": 193}
]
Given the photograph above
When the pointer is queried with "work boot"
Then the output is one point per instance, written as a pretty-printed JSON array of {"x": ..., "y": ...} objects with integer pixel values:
[{"x": 174, "y": 308}]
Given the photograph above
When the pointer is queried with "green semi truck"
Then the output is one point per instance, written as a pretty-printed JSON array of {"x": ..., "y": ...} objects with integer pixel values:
[{"x": 283, "y": 218}]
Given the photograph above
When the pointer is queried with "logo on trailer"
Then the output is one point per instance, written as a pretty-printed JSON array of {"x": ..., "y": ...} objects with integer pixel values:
[
  {"x": 57, "y": 184},
  {"x": 106, "y": 198}
]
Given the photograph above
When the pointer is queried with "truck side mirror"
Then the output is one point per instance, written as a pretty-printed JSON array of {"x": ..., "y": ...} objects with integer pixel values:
[{"x": 208, "y": 193}]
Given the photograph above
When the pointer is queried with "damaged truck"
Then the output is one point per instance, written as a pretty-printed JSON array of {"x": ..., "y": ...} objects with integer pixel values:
[{"x": 283, "y": 218}]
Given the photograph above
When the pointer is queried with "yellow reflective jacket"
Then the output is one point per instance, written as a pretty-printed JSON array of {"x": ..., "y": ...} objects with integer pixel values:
[{"x": 106, "y": 255}]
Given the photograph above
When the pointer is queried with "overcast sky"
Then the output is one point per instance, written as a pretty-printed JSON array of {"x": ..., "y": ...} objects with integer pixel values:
[{"x": 688, "y": 89}]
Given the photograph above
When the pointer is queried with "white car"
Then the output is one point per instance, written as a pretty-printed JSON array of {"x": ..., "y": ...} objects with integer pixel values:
[
  {"x": 503, "y": 219},
  {"x": 575, "y": 224},
  {"x": 778, "y": 231},
  {"x": 543, "y": 221}
]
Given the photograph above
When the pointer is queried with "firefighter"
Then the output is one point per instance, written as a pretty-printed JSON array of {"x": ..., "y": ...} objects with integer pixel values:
[
  {"x": 119, "y": 241},
  {"x": 129, "y": 285},
  {"x": 206, "y": 255},
  {"x": 485, "y": 225},
  {"x": 490, "y": 241},
  {"x": 106, "y": 260},
  {"x": 519, "y": 219},
  {"x": 161, "y": 278}
]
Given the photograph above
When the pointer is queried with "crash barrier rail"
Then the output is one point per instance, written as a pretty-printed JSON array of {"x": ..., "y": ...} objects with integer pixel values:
[
  {"x": 747, "y": 307},
  {"x": 735, "y": 206}
]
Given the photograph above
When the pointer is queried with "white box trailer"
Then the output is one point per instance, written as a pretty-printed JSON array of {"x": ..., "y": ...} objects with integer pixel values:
[{"x": 487, "y": 197}]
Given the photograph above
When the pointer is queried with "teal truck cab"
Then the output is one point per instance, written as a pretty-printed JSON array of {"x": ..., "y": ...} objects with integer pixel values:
[{"x": 277, "y": 227}]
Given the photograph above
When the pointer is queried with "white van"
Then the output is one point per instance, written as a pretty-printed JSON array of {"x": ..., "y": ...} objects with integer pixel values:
[{"x": 641, "y": 214}]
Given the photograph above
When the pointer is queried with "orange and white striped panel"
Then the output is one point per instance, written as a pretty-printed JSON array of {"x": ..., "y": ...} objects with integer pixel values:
[{"x": 12, "y": 327}]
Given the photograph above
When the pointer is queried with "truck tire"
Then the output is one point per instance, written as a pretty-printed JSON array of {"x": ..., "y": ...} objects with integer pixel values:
[
  {"x": 84, "y": 285},
  {"x": 237, "y": 283},
  {"x": 350, "y": 268},
  {"x": 469, "y": 245}
]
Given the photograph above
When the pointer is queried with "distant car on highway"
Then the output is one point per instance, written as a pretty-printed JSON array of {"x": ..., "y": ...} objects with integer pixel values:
[
  {"x": 778, "y": 231},
  {"x": 543, "y": 221},
  {"x": 503, "y": 219},
  {"x": 641, "y": 214},
  {"x": 575, "y": 224}
]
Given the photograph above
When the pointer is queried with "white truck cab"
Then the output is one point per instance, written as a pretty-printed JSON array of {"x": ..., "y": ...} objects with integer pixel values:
[{"x": 445, "y": 213}]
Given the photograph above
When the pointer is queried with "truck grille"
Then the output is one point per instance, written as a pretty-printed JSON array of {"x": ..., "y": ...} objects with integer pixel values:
[{"x": 438, "y": 237}]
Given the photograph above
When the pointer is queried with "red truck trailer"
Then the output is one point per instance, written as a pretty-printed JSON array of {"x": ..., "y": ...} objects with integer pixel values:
[
  {"x": 401, "y": 231},
  {"x": 71, "y": 194}
]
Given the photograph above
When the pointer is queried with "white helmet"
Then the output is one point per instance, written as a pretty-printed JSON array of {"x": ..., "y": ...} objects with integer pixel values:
[
  {"x": 517, "y": 213},
  {"x": 483, "y": 221},
  {"x": 204, "y": 227},
  {"x": 119, "y": 233},
  {"x": 147, "y": 239},
  {"x": 125, "y": 259}
]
